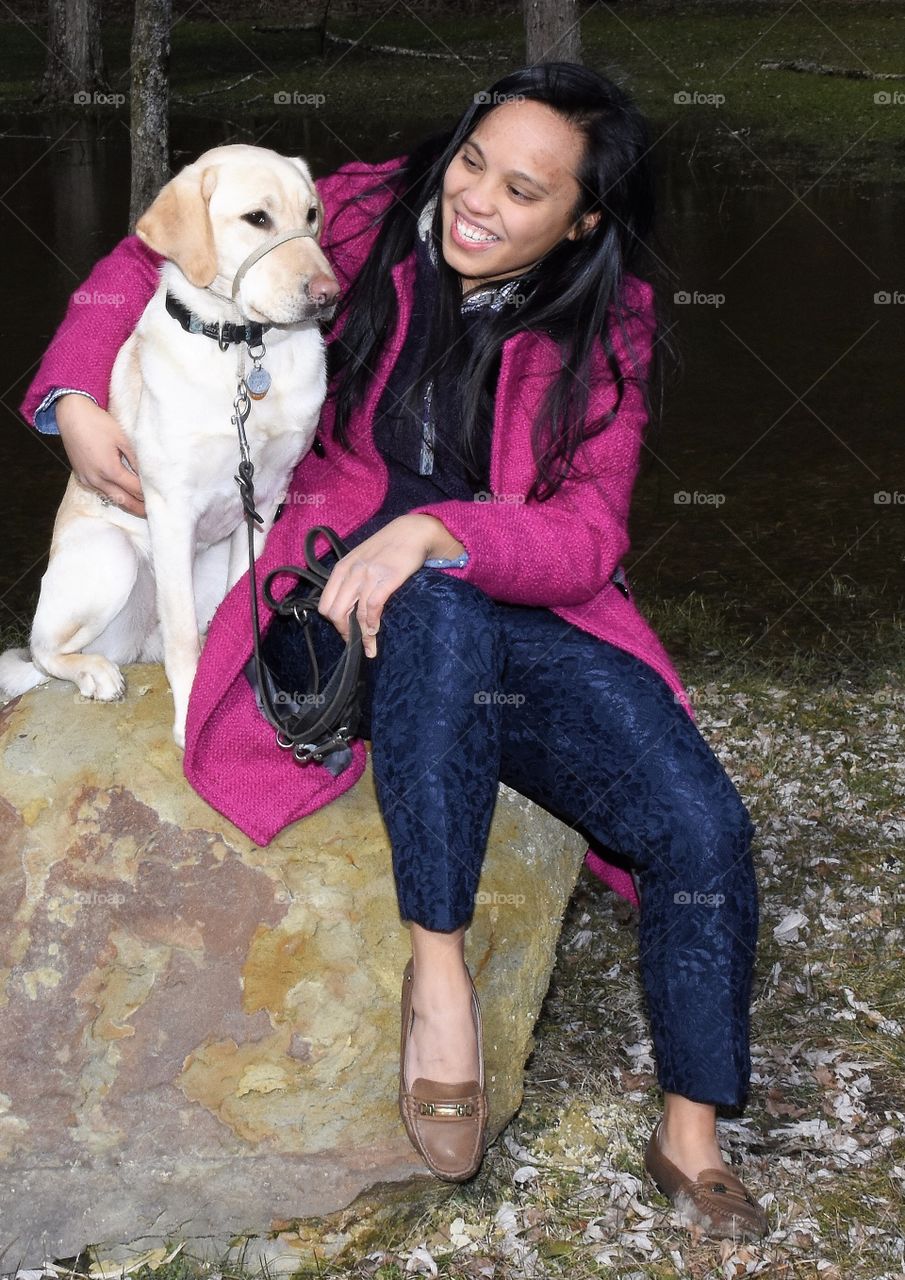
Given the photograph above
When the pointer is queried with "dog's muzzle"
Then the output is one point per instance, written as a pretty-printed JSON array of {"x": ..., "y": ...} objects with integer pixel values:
[{"x": 318, "y": 311}]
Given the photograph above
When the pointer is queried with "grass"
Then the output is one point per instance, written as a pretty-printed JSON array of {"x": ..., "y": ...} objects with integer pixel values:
[
  {"x": 712, "y": 637},
  {"x": 797, "y": 125}
]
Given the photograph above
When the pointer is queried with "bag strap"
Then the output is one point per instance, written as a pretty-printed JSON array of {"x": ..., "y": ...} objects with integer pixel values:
[
  {"x": 323, "y": 720},
  {"x": 328, "y": 719}
]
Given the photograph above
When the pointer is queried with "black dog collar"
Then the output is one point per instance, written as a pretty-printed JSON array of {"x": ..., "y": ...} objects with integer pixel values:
[{"x": 224, "y": 334}]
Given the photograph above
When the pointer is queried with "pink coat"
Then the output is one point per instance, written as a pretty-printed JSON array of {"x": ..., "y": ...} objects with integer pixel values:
[{"x": 559, "y": 554}]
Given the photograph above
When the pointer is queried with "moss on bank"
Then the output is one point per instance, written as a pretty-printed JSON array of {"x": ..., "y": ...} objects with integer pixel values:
[{"x": 674, "y": 58}]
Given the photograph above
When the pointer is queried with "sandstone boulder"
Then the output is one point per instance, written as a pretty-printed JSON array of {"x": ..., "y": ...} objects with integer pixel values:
[{"x": 199, "y": 1036}]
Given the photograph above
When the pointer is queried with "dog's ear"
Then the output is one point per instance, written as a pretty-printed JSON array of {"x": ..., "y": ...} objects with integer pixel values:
[
  {"x": 177, "y": 224},
  {"x": 303, "y": 169},
  {"x": 306, "y": 174}
]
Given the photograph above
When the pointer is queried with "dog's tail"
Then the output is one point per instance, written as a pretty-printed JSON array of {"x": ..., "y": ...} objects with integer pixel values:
[{"x": 18, "y": 673}]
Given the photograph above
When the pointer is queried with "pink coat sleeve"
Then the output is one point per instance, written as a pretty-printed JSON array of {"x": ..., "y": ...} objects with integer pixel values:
[
  {"x": 349, "y": 227},
  {"x": 101, "y": 314},
  {"x": 105, "y": 309},
  {"x": 563, "y": 551}
]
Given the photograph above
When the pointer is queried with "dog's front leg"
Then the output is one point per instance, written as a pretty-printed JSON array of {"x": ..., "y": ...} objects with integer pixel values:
[{"x": 173, "y": 551}]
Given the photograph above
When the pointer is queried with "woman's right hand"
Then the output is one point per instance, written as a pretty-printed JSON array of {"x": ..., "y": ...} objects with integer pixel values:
[{"x": 96, "y": 446}]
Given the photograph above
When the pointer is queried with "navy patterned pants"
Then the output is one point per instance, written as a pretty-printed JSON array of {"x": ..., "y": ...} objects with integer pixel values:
[{"x": 465, "y": 692}]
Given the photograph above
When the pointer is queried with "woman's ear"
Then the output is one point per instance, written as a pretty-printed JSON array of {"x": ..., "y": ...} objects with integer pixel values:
[{"x": 583, "y": 226}]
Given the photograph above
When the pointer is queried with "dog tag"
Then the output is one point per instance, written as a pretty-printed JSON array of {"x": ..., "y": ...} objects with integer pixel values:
[{"x": 258, "y": 383}]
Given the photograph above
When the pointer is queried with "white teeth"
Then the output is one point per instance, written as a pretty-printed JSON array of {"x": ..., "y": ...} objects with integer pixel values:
[{"x": 468, "y": 231}]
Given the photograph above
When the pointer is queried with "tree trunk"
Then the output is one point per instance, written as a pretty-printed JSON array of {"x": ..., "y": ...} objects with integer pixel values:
[
  {"x": 75, "y": 60},
  {"x": 552, "y": 31},
  {"x": 149, "y": 103}
]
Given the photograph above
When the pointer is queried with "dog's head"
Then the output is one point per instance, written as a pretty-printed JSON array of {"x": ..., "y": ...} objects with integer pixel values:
[{"x": 230, "y": 201}]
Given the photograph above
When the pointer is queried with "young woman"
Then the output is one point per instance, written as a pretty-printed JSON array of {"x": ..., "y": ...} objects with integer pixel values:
[{"x": 489, "y": 390}]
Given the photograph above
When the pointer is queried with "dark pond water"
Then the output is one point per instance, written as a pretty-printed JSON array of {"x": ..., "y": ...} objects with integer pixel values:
[{"x": 787, "y": 420}]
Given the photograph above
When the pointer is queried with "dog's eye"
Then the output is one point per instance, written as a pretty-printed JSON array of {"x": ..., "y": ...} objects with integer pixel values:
[
  {"x": 313, "y": 217},
  {"x": 257, "y": 218}
]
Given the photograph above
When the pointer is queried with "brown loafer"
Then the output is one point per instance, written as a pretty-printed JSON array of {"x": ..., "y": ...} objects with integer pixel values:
[
  {"x": 446, "y": 1123},
  {"x": 716, "y": 1201}
]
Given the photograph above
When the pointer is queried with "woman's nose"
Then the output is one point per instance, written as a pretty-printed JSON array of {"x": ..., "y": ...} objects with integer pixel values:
[{"x": 477, "y": 196}]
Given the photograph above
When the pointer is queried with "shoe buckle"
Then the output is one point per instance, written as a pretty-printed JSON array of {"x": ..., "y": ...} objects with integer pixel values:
[{"x": 445, "y": 1109}]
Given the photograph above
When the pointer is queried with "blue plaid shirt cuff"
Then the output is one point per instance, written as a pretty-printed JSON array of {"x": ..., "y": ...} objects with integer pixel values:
[
  {"x": 459, "y": 563},
  {"x": 46, "y": 414}
]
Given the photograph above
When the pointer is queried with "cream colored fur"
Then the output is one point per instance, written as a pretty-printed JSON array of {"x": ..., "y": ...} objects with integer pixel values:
[{"x": 122, "y": 589}]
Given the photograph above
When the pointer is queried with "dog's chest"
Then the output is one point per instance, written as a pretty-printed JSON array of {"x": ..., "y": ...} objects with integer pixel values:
[
  {"x": 174, "y": 391},
  {"x": 212, "y": 493}
]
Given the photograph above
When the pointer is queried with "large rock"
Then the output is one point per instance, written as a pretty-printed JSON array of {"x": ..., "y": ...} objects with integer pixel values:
[{"x": 199, "y": 1036}]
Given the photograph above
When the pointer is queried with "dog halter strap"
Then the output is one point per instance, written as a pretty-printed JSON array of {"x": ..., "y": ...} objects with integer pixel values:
[{"x": 295, "y": 234}]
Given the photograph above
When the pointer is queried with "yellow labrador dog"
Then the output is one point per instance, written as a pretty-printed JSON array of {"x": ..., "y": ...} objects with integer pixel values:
[{"x": 119, "y": 588}]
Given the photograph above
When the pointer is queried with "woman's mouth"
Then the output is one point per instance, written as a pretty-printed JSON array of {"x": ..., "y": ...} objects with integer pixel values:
[{"x": 469, "y": 235}]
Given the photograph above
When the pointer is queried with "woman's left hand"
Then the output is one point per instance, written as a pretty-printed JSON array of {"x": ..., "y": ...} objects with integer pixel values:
[{"x": 368, "y": 574}]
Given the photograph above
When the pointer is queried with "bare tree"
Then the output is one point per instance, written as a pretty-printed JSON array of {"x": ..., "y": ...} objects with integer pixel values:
[
  {"x": 150, "y": 103},
  {"x": 75, "y": 62},
  {"x": 552, "y": 31}
]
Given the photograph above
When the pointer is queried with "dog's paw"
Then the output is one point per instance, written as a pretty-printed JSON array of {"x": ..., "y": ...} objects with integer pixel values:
[
  {"x": 100, "y": 679},
  {"x": 179, "y": 734}
]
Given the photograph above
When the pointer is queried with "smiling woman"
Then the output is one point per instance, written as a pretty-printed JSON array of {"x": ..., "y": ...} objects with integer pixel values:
[
  {"x": 489, "y": 371},
  {"x": 511, "y": 193}
]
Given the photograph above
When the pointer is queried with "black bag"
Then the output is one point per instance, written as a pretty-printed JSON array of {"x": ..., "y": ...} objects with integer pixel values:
[{"x": 319, "y": 723}]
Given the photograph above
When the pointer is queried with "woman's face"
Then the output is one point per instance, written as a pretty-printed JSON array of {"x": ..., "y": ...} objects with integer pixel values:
[{"x": 509, "y": 192}]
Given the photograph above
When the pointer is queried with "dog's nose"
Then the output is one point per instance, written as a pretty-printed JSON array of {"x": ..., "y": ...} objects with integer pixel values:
[{"x": 322, "y": 289}]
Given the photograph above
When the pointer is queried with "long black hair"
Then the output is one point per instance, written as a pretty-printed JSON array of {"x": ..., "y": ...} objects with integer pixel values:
[{"x": 566, "y": 296}]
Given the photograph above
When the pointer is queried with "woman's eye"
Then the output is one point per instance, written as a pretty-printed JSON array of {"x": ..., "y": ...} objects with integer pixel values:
[
  {"x": 521, "y": 194},
  {"x": 257, "y": 218},
  {"x": 472, "y": 164}
]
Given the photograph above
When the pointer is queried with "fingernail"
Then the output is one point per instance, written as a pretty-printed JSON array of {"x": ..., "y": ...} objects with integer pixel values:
[{"x": 372, "y": 631}]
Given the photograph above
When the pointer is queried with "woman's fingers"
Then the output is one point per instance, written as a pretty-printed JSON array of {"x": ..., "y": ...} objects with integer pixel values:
[
  {"x": 100, "y": 452},
  {"x": 114, "y": 483},
  {"x": 370, "y": 611},
  {"x": 127, "y": 484},
  {"x": 119, "y": 497},
  {"x": 327, "y": 603},
  {"x": 360, "y": 589},
  {"x": 126, "y": 476},
  {"x": 365, "y": 578}
]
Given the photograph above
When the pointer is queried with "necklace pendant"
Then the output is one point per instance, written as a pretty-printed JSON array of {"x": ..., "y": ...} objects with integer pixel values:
[{"x": 258, "y": 383}]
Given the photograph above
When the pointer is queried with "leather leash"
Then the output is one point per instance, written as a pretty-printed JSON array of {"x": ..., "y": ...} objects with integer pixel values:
[{"x": 318, "y": 724}]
